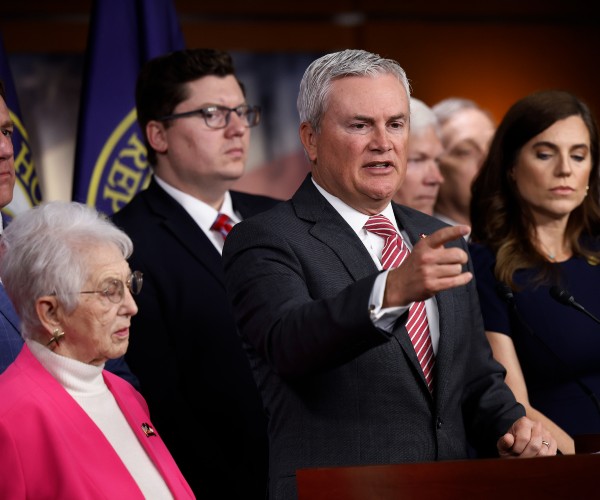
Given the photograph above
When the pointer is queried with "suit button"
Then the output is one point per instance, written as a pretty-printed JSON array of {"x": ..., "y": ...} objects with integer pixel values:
[{"x": 439, "y": 423}]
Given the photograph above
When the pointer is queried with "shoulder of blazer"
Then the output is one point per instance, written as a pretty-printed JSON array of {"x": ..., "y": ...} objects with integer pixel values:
[
  {"x": 153, "y": 199},
  {"x": 248, "y": 204},
  {"x": 308, "y": 202}
]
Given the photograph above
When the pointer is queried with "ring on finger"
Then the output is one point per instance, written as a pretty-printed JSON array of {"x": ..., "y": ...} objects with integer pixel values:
[{"x": 546, "y": 443}]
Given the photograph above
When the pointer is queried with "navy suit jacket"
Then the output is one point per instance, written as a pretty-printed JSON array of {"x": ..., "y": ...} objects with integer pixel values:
[
  {"x": 339, "y": 391},
  {"x": 10, "y": 338},
  {"x": 186, "y": 351}
]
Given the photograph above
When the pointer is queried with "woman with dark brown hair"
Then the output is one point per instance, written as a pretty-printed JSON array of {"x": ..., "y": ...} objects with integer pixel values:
[{"x": 535, "y": 217}]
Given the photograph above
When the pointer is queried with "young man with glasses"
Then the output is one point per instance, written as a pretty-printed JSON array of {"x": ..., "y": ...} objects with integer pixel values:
[{"x": 184, "y": 345}]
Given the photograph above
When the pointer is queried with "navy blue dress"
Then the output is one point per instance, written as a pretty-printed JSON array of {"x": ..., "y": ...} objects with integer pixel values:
[{"x": 556, "y": 344}]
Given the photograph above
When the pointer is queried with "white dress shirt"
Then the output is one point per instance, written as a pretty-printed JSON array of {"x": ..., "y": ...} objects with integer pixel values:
[{"x": 203, "y": 214}]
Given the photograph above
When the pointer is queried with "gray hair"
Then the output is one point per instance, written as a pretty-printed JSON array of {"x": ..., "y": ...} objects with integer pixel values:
[
  {"x": 318, "y": 77},
  {"x": 43, "y": 252},
  {"x": 421, "y": 116},
  {"x": 447, "y": 108}
]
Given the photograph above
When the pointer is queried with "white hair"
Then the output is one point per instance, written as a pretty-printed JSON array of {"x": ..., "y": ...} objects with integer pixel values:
[
  {"x": 318, "y": 77},
  {"x": 44, "y": 251}
]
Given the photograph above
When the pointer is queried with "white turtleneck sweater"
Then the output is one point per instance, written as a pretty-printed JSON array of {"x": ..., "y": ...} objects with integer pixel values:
[{"x": 86, "y": 385}]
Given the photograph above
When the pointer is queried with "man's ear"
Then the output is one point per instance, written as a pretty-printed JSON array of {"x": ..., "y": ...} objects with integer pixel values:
[
  {"x": 156, "y": 134},
  {"x": 308, "y": 137}
]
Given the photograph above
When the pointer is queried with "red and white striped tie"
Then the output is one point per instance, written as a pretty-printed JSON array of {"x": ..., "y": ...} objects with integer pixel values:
[
  {"x": 223, "y": 224},
  {"x": 394, "y": 253}
]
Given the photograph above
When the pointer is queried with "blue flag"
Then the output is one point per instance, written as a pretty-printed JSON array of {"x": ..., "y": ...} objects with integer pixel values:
[
  {"x": 27, "y": 190},
  {"x": 110, "y": 158}
]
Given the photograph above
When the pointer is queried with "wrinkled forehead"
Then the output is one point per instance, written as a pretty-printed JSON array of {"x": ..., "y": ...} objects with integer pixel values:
[
  {"x": 367, "y": 95},
  {"x": 468, "y": 124}
]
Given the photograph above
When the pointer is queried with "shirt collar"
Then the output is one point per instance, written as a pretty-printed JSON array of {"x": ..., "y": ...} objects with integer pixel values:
[
  {"x": 201, "y": 212},
  {"x": 355, "y": 219}
]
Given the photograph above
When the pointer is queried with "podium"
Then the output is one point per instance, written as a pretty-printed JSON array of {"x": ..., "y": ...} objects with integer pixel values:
[
  {"x": 587, "y": 443},
  {"x": 570, "y": 477}
]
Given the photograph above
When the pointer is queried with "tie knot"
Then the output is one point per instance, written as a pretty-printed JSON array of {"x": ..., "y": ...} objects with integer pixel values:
[
  {"x": 394, "y": 251},
  {"x": 381, "y": 226},
  {"x": 223, "y": 224}
]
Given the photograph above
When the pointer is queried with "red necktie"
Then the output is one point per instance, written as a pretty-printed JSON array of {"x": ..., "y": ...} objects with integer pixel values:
[
  {"x": 394, "y": 253},
  {"x": 223, "y": 224}
]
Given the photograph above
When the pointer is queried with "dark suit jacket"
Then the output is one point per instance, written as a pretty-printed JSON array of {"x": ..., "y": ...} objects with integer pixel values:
[
  {"x": 337, "y": 390},
  {"x": 185, "y": 349},
  {"x": 10, "y": 338}
]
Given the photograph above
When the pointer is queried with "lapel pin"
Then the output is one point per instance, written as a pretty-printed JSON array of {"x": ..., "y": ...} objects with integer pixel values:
[
  {"x": 422, "y": 236},
  {"x": 149, "y": 431}
]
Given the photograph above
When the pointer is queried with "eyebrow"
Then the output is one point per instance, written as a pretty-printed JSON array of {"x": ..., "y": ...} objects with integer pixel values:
[
  {"x": 555, "y": 146},
  {"x": 363, "y": 118},
  {"x": 467, "y": 141}
]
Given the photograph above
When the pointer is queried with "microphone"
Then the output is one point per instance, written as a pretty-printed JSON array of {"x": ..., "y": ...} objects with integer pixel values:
[
  {"x": 564, "y": 297},
  {"x": 505, "y": 293}
]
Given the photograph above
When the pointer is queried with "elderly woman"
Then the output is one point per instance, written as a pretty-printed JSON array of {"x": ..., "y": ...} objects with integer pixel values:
[
  {"x": 68, "y": 428},
  {"x": 536, "y": 228}
]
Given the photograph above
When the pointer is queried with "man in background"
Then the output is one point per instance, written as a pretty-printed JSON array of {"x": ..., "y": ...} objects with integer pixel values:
[
  {"x": 10, "y": 338},
  {"x": 466, "y": 132},
  {"x": 422, "y": 181},
  {"x": 184, "y": 345}
]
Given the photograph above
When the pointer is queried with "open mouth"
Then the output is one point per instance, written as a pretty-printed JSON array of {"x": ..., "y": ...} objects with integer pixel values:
[{"x": 382, "y": 164}]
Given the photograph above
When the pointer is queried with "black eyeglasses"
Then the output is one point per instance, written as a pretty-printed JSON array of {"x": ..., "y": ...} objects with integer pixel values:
[
  {"x": 114, "y": 290},
  {"x": 217, "y": 117}
]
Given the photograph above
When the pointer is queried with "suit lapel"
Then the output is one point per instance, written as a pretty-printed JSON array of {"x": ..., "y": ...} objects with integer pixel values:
[
  {"x": 141, "y": 426},
  {"x": 184, "y": 229},
  {"x": 331, "y": 229},
  {"x": 242, "y": 204},
  {"x": 445, "y": 304},
  {"x": 7, "y": 310}
]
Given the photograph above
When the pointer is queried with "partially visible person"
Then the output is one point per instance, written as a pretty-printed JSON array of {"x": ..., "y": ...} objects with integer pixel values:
[
  {"x": 423, "y": 178},
  {"x": 536, "y": 224},
  {"x": 360, "y": 316},
  {"x": 466, "y": 131},
  {"x": 188, "y": 355},
  {"x": 69, "y": 428},
  {"x": 11, "y": 341}
]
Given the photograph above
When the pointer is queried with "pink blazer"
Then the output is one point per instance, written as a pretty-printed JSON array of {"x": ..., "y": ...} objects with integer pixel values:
[{"x": 50, "y": 448}]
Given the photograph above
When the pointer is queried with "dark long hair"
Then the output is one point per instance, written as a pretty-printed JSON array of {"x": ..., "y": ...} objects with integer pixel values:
[{"x": 499, "y": 216}]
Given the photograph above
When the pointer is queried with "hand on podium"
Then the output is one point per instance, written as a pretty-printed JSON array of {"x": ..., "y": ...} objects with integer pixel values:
[{"x": 526, "y": 438}]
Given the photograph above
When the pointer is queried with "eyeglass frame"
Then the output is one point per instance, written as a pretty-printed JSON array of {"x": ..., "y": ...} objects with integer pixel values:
[
  {"x": 216, "y": 107},
  {"x": 136, "y": 276}
]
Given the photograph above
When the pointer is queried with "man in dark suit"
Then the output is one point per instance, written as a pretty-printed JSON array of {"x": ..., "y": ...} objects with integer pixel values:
[
  {"x": 184, "y": 345},
  {"x": 328, "y": 333},
  {"x": 10, "y": 338}
]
